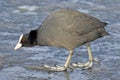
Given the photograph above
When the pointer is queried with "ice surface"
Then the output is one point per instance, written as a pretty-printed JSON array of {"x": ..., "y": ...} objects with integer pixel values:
[{"x": 21, "y": 16}]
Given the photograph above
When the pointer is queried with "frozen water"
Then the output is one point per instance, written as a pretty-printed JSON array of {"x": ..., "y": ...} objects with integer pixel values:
[{"x": 21, "y": 16}]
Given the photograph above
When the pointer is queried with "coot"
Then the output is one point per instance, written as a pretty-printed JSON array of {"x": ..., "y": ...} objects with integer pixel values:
[{"x": 68, "y": 29}]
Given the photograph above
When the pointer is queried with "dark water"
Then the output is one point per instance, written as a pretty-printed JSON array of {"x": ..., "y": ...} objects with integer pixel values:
[{"x": 20, "y": 16}]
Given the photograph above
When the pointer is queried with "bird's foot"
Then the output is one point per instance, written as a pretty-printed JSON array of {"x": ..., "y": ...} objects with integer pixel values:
[
  {"x": 96, "y": 60},
  {"x": 86, "y": 65},
  {"x": 47, "y": 68},
  {"x": 55, "y": 68}
]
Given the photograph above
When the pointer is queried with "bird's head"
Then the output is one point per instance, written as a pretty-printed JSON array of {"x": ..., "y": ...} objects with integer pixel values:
[{"x": 27, "y": 40}]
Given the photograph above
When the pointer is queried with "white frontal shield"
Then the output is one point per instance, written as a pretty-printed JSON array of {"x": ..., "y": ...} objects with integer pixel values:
[{"x": 19, "y": 45}]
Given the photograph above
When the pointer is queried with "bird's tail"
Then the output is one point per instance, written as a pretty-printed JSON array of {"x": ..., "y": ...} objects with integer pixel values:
[
  {"x": 104, "y": 24},
  {"x": 103, "y": 32}
]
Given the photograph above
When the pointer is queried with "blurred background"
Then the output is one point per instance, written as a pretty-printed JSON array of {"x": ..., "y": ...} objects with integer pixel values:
[{"x": 21, "y": 16}]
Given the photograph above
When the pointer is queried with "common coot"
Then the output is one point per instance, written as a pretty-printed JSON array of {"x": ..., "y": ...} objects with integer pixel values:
[{"x": 68, "y": 29}]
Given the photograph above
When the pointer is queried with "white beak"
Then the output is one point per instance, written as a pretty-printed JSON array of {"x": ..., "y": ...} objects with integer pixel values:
[{"x": 19, "y": 45}]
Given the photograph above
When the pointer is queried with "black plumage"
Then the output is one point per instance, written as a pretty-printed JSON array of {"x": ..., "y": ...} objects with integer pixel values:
[
  {"x": 65, "y": 28},
  {"x": 68, "y": 29}
]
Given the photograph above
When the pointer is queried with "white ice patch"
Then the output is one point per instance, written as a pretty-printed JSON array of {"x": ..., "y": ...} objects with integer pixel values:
[
  {"x": 88, "y": 3},
  {"x": 28, "y": 8},
  {"x": 101, "y": 7},
  {"x": 83, "y": 10},
  {"x": 25, "y": 12}
]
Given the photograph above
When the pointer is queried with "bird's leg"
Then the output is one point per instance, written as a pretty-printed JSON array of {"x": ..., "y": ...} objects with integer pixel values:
[
  {"x": 59, "y": 68},
  {"x": 68, "y": 60},
  {"x": 89, "y": 63}
]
